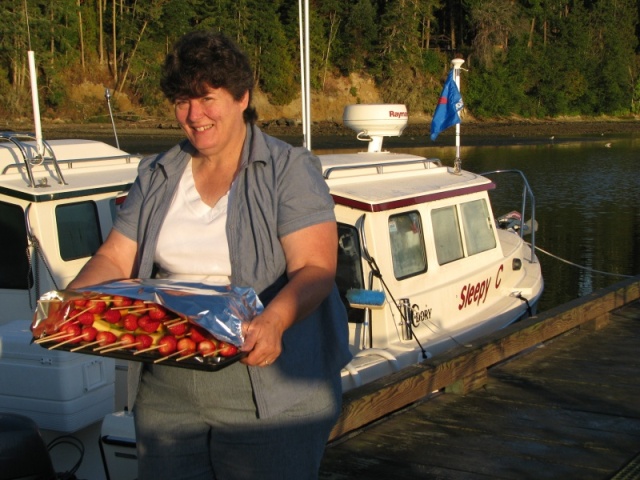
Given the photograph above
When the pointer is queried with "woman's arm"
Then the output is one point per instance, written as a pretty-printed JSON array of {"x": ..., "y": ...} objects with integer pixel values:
[
  {"x": 311, "y": 255},
  {"x": 114, "y": 260}
]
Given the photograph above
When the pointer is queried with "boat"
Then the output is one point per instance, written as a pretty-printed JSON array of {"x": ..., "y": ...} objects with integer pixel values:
[
  {"x": 424, "y": 266},
  {"x": 424, "y": 236}
]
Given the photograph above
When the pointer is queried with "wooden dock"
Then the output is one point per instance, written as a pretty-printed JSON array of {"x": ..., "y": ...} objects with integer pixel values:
[{"x": 554, "y": 397}]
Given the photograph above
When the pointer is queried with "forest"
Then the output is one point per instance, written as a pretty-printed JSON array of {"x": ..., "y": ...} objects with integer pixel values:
[{"x": 526, "y": 58}]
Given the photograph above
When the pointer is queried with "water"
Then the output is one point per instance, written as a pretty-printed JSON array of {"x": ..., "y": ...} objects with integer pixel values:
[
  {"x": 587, "y": 208},
  {"x": 587, "y": 198}
]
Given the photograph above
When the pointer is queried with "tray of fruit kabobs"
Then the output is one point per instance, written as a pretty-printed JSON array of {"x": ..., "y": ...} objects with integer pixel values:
[{"x": 181, "y": 324}]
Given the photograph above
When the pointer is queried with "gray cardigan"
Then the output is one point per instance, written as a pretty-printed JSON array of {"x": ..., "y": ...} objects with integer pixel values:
[{"x": 279, "y": 190}]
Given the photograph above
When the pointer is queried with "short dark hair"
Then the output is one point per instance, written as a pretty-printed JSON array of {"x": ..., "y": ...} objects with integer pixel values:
[{"x": 207, "y": 59}]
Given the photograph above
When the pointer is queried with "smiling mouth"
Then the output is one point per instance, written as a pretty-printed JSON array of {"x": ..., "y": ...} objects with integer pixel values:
[{"x": 202, "y": 129}]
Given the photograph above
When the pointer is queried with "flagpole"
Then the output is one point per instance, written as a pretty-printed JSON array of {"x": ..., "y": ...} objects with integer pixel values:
[{"x": 457, "y": 63}]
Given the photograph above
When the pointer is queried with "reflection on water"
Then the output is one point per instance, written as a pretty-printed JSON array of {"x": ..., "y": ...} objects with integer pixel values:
[{"x": 587, "y": 198}]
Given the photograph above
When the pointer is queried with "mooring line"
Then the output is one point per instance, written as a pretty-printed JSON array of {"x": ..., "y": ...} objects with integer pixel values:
[{"x": 582, "y": 266}]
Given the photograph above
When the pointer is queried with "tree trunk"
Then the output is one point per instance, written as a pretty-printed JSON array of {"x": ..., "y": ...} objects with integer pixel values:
[
  {"x": 133, "y": 52},
  {"x": 100, "y": 36},
  {"x": 333, "y": 31},
  {"x": 115, "y": 48},
  {"x": 81, "y": 36}
]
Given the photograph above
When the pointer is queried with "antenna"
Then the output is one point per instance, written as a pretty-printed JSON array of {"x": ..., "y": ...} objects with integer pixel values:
[{"x": 107, "y": 95}]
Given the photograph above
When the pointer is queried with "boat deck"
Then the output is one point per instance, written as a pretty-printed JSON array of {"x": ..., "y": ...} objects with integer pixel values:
[{"x": 564, "y": 408}]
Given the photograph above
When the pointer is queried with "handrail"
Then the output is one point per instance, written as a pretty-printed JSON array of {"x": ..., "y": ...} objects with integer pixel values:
[
  {"x": 127, "y": 158},
  {"x": 527, "y": 192},
  {"x": 379, "y": 166},
  {"x": 28, "y": 162}
]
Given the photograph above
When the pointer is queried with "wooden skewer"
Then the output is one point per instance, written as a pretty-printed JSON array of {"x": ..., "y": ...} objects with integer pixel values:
[
  {"x": 175, "y": 321},
  {"x": 113, "y": 349},
  {"x": 78, "y": 337},
  {"x": 184, "y": 357},
  {"x": 135, "y": 310},
  {"x": 148, "y": 349},
  {"x": 174, "y": 354},
  {"x": 76, "y": 315},
  {"x": 213, "y": 353},
  {"x": 102, "y": 347},
  {"x": 52, "y": 338},
  {"x": 75, "y": 349}
]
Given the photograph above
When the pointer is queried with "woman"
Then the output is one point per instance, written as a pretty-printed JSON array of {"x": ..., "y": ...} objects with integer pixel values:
[{"x": 232, "y": 205}]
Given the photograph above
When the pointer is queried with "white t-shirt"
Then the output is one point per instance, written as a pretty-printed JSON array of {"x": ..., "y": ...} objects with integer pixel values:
[{"x": 193, "y": 239}]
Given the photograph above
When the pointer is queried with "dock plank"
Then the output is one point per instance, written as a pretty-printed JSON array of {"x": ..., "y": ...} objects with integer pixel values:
[{"x": 567, "y": 408}]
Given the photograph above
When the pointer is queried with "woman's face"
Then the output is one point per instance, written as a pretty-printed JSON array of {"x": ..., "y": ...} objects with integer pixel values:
[{"x": 213, "y": 123}]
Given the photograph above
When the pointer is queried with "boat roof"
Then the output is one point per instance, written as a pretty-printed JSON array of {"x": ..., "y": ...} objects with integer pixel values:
[
  {"x": 384, "y": 181},
  {"x": 81, "y": 167}
]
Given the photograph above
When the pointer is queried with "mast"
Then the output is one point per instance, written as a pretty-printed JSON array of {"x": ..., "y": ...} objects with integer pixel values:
[
  {"x": 305, "y": 83},
  {"x": 36, "y": 105},
  {"x": 34, "y": 90},
  {"x": 456, "y": 64}
]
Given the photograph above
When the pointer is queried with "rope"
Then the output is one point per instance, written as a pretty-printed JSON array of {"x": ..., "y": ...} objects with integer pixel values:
[
  {"x": 378, "y": 274},
  {"x": 581, "y": 266}
]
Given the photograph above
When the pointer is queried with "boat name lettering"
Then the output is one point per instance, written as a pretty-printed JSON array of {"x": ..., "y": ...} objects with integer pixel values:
[
  {"x": 498, "y": 279},
  {"x": 479, "y": 292},
  {"x": 419, "y": 315},
  {"x": 398, "y": 114}
]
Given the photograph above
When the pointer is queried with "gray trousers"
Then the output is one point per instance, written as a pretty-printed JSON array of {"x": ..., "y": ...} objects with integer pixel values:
[{"x": 193, "y": 424}]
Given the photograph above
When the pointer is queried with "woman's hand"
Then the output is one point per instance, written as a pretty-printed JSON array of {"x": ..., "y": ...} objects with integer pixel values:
[
  {"x": 263, "y": 340},
  {"x": 311, "y": 255}
]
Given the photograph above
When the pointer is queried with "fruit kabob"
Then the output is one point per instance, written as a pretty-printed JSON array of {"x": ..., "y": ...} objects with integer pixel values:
[{"x": 115, "y": 323}]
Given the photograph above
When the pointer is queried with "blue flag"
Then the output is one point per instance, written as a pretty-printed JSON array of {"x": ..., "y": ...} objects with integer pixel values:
[{"x": 449, "y": 105}]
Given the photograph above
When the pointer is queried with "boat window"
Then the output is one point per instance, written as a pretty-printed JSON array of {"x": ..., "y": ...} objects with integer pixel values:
[
  {"x": 14, "y": 264},
  {"x": 407, "y": 245},
  {"x": 78, "y": 230},
  {"x": 446, "y": 234},
  {"x": 478, "y": 227},
  {"x": 349, "y": 270}
]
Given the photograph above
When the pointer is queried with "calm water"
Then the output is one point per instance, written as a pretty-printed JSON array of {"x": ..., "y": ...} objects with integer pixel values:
[{"x": 587, "y": 198}]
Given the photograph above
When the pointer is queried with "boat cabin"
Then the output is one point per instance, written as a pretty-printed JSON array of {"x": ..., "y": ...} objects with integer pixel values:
[{"x": 56, "y": 208}]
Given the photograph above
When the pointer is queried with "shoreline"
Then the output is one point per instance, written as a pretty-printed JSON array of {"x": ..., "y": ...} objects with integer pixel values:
[{"x": 333, "y": 135}]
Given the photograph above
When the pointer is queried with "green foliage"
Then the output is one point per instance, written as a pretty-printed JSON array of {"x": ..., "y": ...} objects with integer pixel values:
[{"x": 532, "y": 58}]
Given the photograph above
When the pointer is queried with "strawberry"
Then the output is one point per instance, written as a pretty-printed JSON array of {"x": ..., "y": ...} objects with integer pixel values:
[
  {"x": 120, "y": 301},
  {"x": 127, "y": 339},
  {"x": 106, "y": 338},
  {"x": 97, "y": 306},
  {"x": 130, "y": 322},
  {"x": 227, "y": 350},
  {"x": 147, "y": 324},
  {"x": 156, "y": 312},
  {"x": 168, "y": 345},
  {"x": 112, "y": 316},
  {"x": 186, "y": 346},
  {"x": 87, "y": 318},
  {"x": 74, "y": 333},
  {"x": 143, "y": 341},
  {"x": 197, "y": 334},
  {"x": 178, "y": 329},
  {"x": 89, "y": 334},
  {"x": 207, "y": 346}
]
